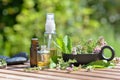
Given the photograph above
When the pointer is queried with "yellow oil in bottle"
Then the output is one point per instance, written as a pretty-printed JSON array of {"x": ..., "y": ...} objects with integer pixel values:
[
  {"x": 53, "y": 52},
  {"x": 43, "y": 58}
]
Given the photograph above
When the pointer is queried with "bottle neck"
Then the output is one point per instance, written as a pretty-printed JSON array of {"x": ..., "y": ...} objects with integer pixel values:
[
  {"x": 43, "y": 50},
  {"x": 35, "y": 43},
  {"x": 49, "y": 40}
]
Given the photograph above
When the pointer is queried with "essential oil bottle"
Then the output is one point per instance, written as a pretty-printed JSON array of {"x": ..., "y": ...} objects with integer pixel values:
[
  {"x": 33, "y": 52},
  {"x": 43, "y": 57}
]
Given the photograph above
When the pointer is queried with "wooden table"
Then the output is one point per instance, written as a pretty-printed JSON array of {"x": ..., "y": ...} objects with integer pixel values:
[{"x": 16, "y": 72}]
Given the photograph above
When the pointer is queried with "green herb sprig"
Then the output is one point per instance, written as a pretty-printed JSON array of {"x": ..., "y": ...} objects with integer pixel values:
[
  {"x": 64, "y": 44},
  {"x": 33, "y": 69},
  {"x": 101, "y": 64},
  {"x": 90, "y": 46},
  {"x": 63, "y": 65},
  {"x": 2, "y": 63}
]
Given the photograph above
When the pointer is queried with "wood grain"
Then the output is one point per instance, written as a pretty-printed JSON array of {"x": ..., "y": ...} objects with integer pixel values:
[{"x": 16, "y": 72}]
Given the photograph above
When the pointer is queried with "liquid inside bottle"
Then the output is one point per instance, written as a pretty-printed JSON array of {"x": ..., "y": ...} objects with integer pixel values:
[{"x": 43, "y": 57}]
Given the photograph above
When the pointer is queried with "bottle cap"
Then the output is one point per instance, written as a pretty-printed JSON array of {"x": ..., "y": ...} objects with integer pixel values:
[
  {"x": 34, "y": 42},
  {"x": 34, "y": 38},
  {"x": 50, "y": 24}
]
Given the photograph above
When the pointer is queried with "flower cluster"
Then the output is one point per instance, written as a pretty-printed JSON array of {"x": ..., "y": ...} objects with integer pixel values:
[
  {"x": 100, "y": 43},
  {"x": 89, "y": 46},
  {"x": 68, "y": 66}
]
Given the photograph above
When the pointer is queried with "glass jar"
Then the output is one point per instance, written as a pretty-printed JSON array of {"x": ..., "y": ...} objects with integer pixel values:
[{"x": 43, "y": 57}]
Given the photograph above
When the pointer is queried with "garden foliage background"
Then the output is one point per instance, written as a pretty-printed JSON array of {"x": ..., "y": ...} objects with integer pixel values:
[{"x": 81, "y": 19}]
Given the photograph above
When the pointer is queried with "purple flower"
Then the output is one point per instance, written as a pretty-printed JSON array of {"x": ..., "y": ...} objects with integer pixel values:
[
  {"x": 102, "y": 42},
  {"x": 69, "y": 69},
  {"x": 97, "y": 49}
]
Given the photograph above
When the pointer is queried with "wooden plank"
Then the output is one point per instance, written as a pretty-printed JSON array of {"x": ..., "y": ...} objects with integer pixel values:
[
  {"x": 2, "y": 78},
  {"x": 63, "y": 73},
  {"x": 90, "y": 75},
  {"x": 106, "y": 72},
  {"x": 17, "y": 77},
  {"x": 79, "y": 75},
  {"x": 98, "y": 75},
  {"x": 111, "y": 70},
  {"x": 52, "y": 74},
  {"x": 34, "y": 75},
  {"x": 70, "y": 75}
]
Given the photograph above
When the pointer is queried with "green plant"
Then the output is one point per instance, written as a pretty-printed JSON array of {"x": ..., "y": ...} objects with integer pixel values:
[
  {"x": 91, "y": 46},
  {"x": 33, "y": 69},
  {"x": 85, "y": 47},
  {"x": 2, "y": 63},
  {"x": 64, "y": 44},
  {"x": 100, "y": 64},
  {"x": 64, "y": 65},
  {"x": 52, "y": 64},
  {"x": 68, "y": 66}
]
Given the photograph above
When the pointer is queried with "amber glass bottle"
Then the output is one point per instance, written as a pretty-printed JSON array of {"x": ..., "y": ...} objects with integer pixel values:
[{"x": 33, "y": 52}]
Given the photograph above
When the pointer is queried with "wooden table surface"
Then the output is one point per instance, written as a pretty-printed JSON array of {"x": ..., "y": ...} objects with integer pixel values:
[{"x": 16, "y": 72}]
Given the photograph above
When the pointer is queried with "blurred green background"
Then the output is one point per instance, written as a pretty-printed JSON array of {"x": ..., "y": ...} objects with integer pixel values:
[{"x": 82, "y": 19}]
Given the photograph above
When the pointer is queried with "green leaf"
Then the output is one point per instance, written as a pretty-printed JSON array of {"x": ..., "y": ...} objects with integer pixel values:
[
  {"x": 2, "y": 62},
  {"x": 65, "y": 40},
  {"x": 54, "y": 57},
  {"x": 64, "y": 48},
  {"x": 72, "y": 61},
  {"x": 59, "y": 43},
  {"x": 52, "y": 64},
  {"x": 100, "y": 64},
  {"x": 69, "y": 45},
  {"x": 64, "y": 44}
]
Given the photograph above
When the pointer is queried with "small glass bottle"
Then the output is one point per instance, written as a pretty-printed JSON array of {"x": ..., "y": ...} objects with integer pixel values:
[
  {"x": 43, "y": 57},
  {"x": 33, "y": 52}
]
